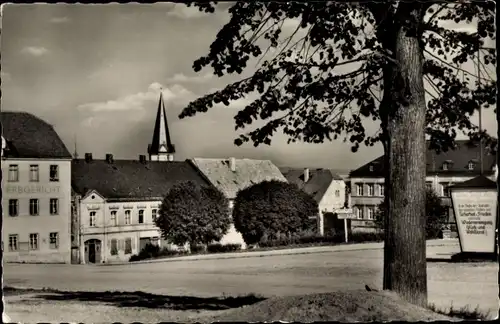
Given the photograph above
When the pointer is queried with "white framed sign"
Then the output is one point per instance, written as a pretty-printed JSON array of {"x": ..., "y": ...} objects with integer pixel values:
[{"x": 475, "y": 214}]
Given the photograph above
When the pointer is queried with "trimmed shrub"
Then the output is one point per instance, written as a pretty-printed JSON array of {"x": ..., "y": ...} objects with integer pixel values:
[
  {"x": 223, "y": 248},
  {"x": 134, "y": 258},
  {"x": 274, "y": 208},
  {"x": 197, "y": 248}
]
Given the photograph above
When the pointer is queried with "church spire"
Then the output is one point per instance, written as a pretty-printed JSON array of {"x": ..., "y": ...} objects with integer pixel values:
[{"x": 161, "y": 147}]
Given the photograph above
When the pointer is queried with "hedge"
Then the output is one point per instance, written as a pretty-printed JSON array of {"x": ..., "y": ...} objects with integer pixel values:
[{"x": 151, "y": 251}]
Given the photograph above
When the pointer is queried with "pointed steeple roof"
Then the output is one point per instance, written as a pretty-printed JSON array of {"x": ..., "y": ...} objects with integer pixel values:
[{"x": 161, "y": 142}]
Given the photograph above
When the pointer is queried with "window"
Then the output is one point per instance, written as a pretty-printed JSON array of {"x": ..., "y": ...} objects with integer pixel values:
[
  {"x": 359, "y": 189},
  {"x": 34, "y": 207},
  {"x": 358, "y": 212},
  {"x": 371, "y": 190},
  {"x": 92, "y": 219},
  {"x": 34, "y": 175},
  {"x": 114, "y": 246},
  {"x": 34, "y": 241},
  {"x": 113, "y": 218},
  {"x": 13, "y": 239},
  {"x": 13, "y": 173},
  {"x": 128, "y": 245},
  {"x": 428, "y": 186},
  {"x": 470, "y": 166},
  {"x": 371, "y": 213},
  {"x": 127, "y": 217},
  {"x": 54, "y": 240},
  {"x": 54, "y": 206},
  {"x": 54, "y": 173},
  {"x": 381, "y": 190},
  {"x": 446, "y": 189},
  {"x": 154, "y": 214},
  {"x": 445, "y": 166},
  {"x": 337, "y": 193},
  {"x": 13, "y": 207},
  {"x": 141, "y": 216}
]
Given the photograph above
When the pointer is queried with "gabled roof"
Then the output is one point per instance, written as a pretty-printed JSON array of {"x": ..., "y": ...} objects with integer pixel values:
[
  {"x": 318, "y": 183},
  {"x": 161, "y": 133},
  {"x": 457, "y": 162},
  {"x": 28, "y": 136},
  {"x": 477, "y": 182},
  {"x": 130, "y": 179},
  {"x": 247, "y": 172}
]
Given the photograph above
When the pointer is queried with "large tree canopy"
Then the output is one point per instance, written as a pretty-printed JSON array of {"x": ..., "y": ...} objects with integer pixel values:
[
  {"x": 304, "y": 88},
  {"x": 195, "y": 214},
  {"x": 345, "y": 64},
  {"x": 271, "y": 208}
]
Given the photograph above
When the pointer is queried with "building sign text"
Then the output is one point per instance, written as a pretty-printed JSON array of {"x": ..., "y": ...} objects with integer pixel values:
[{"x": 31, "y": 189}]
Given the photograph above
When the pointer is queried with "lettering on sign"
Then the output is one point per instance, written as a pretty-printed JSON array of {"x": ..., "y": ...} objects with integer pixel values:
[
  {"x": 32, "y": 189},
  {"x": 475, "y": 213},
  {"x": 93, "y": 207}
]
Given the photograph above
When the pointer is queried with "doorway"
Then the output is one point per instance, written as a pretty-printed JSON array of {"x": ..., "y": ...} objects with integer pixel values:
[{"x": 93, "y": 251}]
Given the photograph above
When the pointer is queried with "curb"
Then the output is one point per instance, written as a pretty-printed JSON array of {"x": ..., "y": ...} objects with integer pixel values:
[{"x": 251, "y": 254}]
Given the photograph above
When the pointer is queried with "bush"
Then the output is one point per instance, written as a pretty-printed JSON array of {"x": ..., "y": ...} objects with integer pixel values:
[
  {"x": 436, "y": 214},
  {"x": 134, "y": 258},
  {"x": 197, "y": 248},
  {"x": 195, "y": 214},
  {"x": 223, "y": 248},
  {"x": 366, "y": 237},
  {"x": 151, "y": 251},
  {"x": 274, "y": 208}
]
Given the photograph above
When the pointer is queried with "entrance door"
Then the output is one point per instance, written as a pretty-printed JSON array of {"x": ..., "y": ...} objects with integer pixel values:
[{"x": 93, "y": 251}]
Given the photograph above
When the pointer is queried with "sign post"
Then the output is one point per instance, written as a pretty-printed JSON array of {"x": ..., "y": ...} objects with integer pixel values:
[
  {"x": 345, "y": 214},
  {"x": 475, "y": 207}
]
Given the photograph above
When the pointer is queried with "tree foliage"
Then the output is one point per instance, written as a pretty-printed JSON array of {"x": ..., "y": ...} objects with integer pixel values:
[
  {"x": 347, "y": 65},
  {"x": 271, "y": 208},
  {"x": 435, "y": 211},
  {"x": 305, "y": 90},
  {"x": 195, "y": 214}
]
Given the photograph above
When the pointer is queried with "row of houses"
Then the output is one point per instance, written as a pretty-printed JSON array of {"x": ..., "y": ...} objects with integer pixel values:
[{"x": 57, "y": 208}]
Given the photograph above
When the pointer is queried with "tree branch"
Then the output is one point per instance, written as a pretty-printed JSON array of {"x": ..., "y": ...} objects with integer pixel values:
[{"x": 453, "y": 66}]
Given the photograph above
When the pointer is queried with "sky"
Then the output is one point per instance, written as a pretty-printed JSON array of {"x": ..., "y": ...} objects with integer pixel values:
[{"x": 95, "y": 72}]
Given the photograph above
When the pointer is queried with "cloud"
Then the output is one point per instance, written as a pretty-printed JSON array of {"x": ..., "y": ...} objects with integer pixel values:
[
  {"x": 182, "y": 11},
  {"x": 59, "y": 20},
  {"x": 182, "y": 78},
  {"x": 34, "y": 51},
  {"x": 137, "y": 101}
]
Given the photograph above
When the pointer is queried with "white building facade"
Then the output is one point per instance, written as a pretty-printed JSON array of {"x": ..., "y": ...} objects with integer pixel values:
[{"x": 36, "y": 192}]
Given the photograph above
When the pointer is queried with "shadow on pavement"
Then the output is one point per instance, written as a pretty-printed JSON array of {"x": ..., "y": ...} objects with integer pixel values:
[{"x": 140, "y": 299}]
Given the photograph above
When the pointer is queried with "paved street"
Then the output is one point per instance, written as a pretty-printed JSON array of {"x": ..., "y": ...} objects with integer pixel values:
[{"x": 449, "y": 283}]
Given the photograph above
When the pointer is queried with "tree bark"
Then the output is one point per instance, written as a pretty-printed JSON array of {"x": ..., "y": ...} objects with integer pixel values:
[{"x": 403, "y": 113}]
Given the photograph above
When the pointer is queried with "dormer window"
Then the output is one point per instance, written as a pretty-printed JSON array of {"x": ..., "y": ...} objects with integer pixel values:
[
  {"x": 371, "y": 167},
  {"x": 445, "y": 166},
  {"x": 471, "y": 165}
]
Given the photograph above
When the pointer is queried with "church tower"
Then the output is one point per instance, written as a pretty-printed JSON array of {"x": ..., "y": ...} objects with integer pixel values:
[{"x": 161, "y": 148}]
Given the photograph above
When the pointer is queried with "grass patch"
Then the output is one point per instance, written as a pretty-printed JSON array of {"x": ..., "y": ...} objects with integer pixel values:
[{"x": 465, "y": 312}]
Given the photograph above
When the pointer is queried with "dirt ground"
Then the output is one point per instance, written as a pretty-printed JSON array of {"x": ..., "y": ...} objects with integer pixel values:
[
  {"x": 449, "y": 284},
  {"x": 344, "y": 306}
]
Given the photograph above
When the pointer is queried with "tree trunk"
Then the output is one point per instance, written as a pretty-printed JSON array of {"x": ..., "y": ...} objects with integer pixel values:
[{"x": 405, "y": 268}]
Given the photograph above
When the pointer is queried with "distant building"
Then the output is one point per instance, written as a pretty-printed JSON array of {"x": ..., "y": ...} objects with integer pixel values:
[
  {"x": 36, "y": 191},
  {"x": 115, "y": 202},
  {"x": 329, "y": 191},
  {"x": 231, "y": 175},
  {"x": 443, "y": 170},
  {"x": 118, "y": 201}
]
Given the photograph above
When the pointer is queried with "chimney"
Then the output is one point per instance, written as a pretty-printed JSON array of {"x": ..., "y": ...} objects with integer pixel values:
[
  {"x": 142, "y": 158},
  {"x": 88, "y": 157},
  {"x": 306, "y": 175},
  {"x": 232, "y": 164},
  {"x": 109, "y": 158}
]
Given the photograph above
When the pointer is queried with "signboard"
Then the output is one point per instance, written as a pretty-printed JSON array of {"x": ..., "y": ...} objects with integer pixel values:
[
  {"x": 475, "y": 213},
  {"x": 31, "y": 189},
  {"x": 344, "y": 213}
]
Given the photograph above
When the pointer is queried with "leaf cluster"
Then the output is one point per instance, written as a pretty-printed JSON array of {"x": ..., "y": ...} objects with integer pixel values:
[
  {"x": 195, "y": 214},
  {"x": 302, "y": 89},
  {"x": 271, "y": 208}
]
